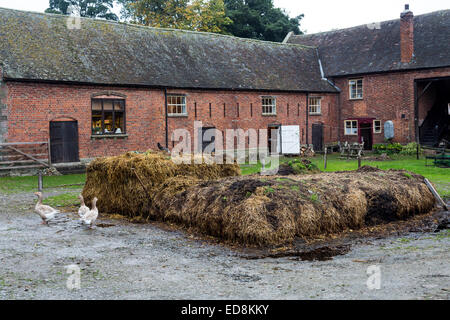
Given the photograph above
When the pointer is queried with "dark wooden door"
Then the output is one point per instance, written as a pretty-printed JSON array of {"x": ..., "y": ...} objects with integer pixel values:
[
  {"x": 366, "y": 135},
  {"x": 209, "y": 137},
  {"x": 317, "y": 136},
  {"x": 64, "y": 141}
]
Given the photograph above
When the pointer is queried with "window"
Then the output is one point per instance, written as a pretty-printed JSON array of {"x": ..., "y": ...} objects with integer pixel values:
[
  {"x": 314, "y": 105},
  {"x": 108, "y": 116},
  {"x": 351, "y": 127},
  {"x": 269, "y": 106},
  {"x": 356, "y": 88},
  {"x": 176, "y": 105},
  {"x": 376, "y": 126}
]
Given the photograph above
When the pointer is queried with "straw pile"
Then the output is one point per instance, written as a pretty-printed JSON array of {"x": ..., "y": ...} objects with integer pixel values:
[
  {"x": 255, "y": 210},
  {"x": 125, "y": 184}
]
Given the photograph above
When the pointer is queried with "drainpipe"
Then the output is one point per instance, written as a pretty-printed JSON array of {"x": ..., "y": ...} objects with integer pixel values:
[
  {"x": 166, "y": 117},
  {"x": 307, "y": 118},
  {"x": 322, "y": 73}
]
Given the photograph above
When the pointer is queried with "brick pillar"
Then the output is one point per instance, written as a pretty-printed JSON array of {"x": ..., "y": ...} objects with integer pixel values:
[{"x": 407, "y": 35}]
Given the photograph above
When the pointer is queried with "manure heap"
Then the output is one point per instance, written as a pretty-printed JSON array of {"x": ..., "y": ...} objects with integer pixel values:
[{"x": 214, "y": 200}]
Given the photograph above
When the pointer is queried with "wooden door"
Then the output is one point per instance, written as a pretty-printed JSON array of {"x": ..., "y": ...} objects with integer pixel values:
[
  {"x": 317, "y": 136},
  {"x": 64, "y": 141},
  {"x": 366, "y": 135},
  {"x": 209, "y": 138}
]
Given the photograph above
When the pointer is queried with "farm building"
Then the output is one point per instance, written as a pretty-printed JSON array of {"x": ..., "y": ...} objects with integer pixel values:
[{"x": 103, "y": 88}]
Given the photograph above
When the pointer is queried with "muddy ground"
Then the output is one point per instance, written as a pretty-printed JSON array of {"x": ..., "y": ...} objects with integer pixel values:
[{"x": 121, "y": 260}]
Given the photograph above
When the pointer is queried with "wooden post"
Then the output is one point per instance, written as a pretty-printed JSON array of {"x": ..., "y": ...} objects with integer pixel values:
[
  {"x": 417, "y": 150},
  {"x": 40, "y": 181},
  {"x": 325, "y": 159},
  {"x": 49, "y": 153},
  {"x": 436, "y": 195},
  {"x": 359, "y": 161}
]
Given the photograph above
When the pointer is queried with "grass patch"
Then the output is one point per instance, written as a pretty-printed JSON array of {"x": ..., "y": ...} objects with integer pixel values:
[
  {"x": 440, "y": 177},
  {"x": 28, "y": 184},
  {"x": 62, "y": 200}
]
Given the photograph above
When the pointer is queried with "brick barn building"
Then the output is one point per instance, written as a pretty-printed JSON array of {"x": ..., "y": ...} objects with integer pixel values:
[{"x": 105, "y": 88}]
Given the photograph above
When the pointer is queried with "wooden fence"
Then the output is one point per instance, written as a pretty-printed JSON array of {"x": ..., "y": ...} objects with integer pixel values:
[{"x": 25, "y": 155}]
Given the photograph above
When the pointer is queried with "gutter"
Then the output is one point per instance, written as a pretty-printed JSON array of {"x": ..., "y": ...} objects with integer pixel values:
[
  {"x": 322, "y": 73},
  {"x": 288, "y": 36},
  {"x": 161, "y": 87}
]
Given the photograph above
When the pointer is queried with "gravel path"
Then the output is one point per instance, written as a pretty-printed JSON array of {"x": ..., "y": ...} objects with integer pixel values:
[{"x": 144, "y": 261}]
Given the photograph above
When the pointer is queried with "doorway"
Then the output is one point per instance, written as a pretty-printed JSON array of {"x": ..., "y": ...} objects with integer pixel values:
[
  {"x": 317, "y": 136},
  {"x": 365, "y": 135},
  {"x": 64, "y": 141},
  {"x": 274, "y": 139},
  {"x": 208, "y": 139}
]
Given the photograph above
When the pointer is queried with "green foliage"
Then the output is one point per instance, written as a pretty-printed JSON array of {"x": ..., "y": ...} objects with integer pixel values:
[
  {"x": 85, "y": 8},
  {"x": 300, "y": 167},
  {"x": 407, "y": 175},
  {"x": 259, "y": 19},
  {"x": 195, "y": 15},
  {"x": 390, "y": 148},
  {"x": 411, "y": 149},
  {"x": 314, "y": 197}
]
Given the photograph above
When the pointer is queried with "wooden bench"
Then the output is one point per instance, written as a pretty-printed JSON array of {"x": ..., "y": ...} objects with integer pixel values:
[{"x": 440, "y": 159}]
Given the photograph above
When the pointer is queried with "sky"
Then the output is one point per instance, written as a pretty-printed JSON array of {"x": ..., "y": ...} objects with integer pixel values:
[{"x": 320, "y": 15}]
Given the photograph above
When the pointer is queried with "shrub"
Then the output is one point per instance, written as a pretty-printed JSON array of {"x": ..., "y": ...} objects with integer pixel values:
[
  {"x": 411, "y": 149},
  {"x": 388, "y": 148}
]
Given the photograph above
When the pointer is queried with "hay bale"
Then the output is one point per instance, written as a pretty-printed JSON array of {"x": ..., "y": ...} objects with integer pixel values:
[{"x": 116, "y": 181}]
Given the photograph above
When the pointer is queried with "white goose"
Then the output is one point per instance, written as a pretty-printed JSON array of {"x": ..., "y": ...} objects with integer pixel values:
[
  {"x": 83, "y": 208},
  {"x": 46, "y": 213},
  {"x": 90, "y": 217}
]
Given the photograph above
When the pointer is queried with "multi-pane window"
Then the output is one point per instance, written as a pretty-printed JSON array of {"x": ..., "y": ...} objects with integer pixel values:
[
  {"x": 269, "y": 106},
  {"x": 356, "y": 88},
  {"x": 351, "y": 127},
  {"x": 376, "y": 126},
  {"x": 176, "y": 105},
  {"x": 108, "y": 116},
  {"x": 315, "y": 105}
]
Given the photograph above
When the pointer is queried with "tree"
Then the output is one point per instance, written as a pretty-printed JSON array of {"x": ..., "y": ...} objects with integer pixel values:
[
  {"x": 197, "y": 15},
  {"x": 259, "y": 19},
  {"x": 85, "y": 8}
]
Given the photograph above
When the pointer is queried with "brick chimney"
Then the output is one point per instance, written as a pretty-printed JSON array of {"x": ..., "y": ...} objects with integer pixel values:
[{"x": 407, "y": 35}]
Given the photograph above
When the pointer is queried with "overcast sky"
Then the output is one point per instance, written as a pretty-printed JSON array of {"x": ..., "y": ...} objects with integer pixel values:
[{"x": 320, "y": 15}]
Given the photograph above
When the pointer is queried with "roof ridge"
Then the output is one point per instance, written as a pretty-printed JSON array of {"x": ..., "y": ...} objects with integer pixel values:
[
  {"x": 203, "y": 33},
  {"x": 364, "y": 25}
]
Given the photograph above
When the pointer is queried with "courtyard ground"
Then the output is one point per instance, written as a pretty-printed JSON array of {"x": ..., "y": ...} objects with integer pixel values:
[{"x": 122, "y": 260}]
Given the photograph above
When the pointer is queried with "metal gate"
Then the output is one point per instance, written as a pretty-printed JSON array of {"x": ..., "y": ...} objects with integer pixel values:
[{"x": 64, "y": 141}]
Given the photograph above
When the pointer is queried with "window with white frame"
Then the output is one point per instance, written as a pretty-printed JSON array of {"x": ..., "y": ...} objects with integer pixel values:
[
  {"x": 351, "y": 127},
  {"x": 315, "y": 105},
  {"x": 356, "y": 88},
  {"x": 376, "y": 126},
  {"x": 269, "y": 105},
  {"x": 176, "y": 105}
]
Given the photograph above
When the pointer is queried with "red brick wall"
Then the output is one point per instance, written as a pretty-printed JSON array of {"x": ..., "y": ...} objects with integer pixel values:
[
  {"x": 291, "y": 110},
  {"x": 386, "y": 97},
  {"x": 31, "y": 106}
]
